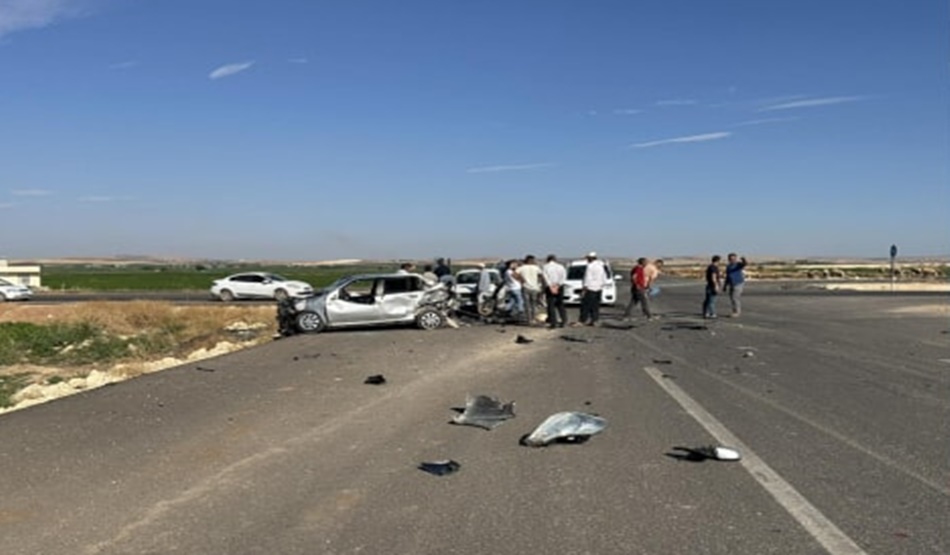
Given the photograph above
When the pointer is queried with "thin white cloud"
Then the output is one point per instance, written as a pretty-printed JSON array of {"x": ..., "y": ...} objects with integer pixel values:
[
  {"x": 677, "y": 102},
  {"x": 591, "y": 113},
  {"x": 102, "y": 199},
  {"x": 124, "y": 65},
  {"x": 687, "y": 139},
  {"x": 765, "y": 121},
  {"x": 20, "y": 15},
  {"x": 4, "y": 205},
  {"x": 31, "y": 192},
  {"x": 508, "y": 168},
  {"x": 627, "y": 111},
  {"x": 812, "y": 102},
  {"x": 298, "y": 61},
  {"x": 229, "y": 70}
]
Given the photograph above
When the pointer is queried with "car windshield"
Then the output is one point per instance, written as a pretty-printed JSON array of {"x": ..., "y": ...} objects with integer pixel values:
[
  {"x": 577, "y": 272},
  {"x": 466, "y": 278}
]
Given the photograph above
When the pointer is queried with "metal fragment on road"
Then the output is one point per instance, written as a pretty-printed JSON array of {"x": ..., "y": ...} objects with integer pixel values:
[
  {"x": 522, "y": 340},
  {"x": 484, "y": 412},
  {"x": 377, "y": 379},
  {"x": 574, "y": 427},
  {"x": 440, "y": 468},
  {"x": 706, "y": 452}
]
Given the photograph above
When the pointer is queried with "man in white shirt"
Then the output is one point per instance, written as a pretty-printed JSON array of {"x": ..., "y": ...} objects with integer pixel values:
[
  {"x": 531, "y": 281},
  {"x": 595, "y": 278},
  {"x": 513, "y": 281},
  {"x": 555, "y": 275}
]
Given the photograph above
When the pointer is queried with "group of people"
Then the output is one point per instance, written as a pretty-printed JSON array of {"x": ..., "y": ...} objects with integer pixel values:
[
  {"x": 531, "y": 287},
  {"x": 731, "y": 281}
]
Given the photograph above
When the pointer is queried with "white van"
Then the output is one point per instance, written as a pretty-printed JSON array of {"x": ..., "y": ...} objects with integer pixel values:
[{"x": 574, "y": 285}]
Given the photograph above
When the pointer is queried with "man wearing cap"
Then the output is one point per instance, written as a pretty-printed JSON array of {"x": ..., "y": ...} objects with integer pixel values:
[{"x": 595, "y": 278}]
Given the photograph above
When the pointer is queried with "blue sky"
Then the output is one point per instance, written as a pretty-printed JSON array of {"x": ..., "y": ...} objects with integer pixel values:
[{"x": 306, "y": 129}]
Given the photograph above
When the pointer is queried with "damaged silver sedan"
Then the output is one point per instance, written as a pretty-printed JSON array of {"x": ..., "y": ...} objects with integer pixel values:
[{"x": 368, "y": 300}]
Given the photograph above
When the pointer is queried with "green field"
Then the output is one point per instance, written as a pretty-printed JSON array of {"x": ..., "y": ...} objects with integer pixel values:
[{"x": 182, "y": 278}]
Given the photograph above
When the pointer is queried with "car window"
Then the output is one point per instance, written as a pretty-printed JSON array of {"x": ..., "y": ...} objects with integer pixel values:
[
  {"x": 405, "y": 284},
  {"x": 576, "y": 272},
  {"x": 467, "y": 278},
  {"x": 276, "y": 277},
  {"x": 359, "y": 291},
  {"x": 5, "y": 282}
]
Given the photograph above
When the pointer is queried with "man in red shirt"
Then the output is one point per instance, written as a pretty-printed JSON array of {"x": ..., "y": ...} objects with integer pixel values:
[{"x": 642, "y": 277}]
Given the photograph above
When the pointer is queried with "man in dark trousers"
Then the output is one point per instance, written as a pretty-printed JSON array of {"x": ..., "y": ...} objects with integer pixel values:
[
  {"x": 554, "y": 274},
  {"x": 713, "y": 286},
  {"x": 641, "y": 280},
  {"x": 735, "y": 281}
]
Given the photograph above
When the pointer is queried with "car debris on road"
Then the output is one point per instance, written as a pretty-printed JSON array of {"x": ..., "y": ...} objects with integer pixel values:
[
  {"x": 440, "y": 468},
  {"x": 484, "y": 412},
  {"x": 707, "y": 452},
  {"x": 376, "y": 379},
  {"x": 569, "y": 427}
]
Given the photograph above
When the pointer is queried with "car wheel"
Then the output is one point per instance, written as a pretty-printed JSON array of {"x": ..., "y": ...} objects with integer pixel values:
[
  {"x": 309, "y": 322},
  {"x": 226, "y": 295},
  {"x": 487, "y": 308},
  {"x": 430, "y": 319},
  {"x": 281, "y": 294}
]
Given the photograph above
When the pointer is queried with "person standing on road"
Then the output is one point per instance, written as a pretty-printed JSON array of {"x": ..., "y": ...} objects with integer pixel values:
[
  {"x": 513, "y": 281},
  {"x": 429, "y": 275},
  {"x": 555, "y": 274},
  {"x": 531, "y": 281},
  {"x": 735, "y": 281},
  {"x": 595, "y": 278},
  {"x": 713, "y": 286},
  {"x": 642, "y": 277}
]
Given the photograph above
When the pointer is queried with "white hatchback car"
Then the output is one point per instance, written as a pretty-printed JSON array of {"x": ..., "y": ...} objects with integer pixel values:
[
  {"x": 574, "y": 285},
  {"x": 258, "y": 285},
  {"x": 12, "y": 292}
]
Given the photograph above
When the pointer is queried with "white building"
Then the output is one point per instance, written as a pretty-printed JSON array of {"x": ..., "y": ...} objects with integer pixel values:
[{"x": 20, "y": 275}]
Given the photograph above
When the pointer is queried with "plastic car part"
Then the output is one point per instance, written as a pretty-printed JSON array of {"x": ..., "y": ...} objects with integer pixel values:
[
  {"x": 440, "y": 468},
  {"x": 485, "y": 412},
  {"x": 565, "y": 426},
  {"x": 706, "y": 452}
]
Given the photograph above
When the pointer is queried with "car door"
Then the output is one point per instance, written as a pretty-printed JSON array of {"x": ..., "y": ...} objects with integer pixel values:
[
  {"x": 399, "y": 298},
  {"x": 354, "y": 303}
]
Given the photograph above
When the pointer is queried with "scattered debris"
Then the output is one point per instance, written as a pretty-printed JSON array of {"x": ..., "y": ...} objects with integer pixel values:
[
  {"x": 684, "y": 326},
  {"x": 662, "y": 361},
  {"x": 617, "y": 325},
  {"x": 484, "y": 412},
  {"x": 522, "y": 340},
  {"x": 440, "y": 468},
  {"x": 376, "y": 379},
  {"x": 569, "y": 427},
  {"x": 668, "y": 376},
  {"x": 575, "y": 339},
  {"x": 204, "y": 369},
  {"x": 748, "y": 354},
  {"x": 707, "y": 452}
]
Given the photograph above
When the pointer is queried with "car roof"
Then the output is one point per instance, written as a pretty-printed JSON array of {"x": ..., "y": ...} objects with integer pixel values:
[
  {"x": 583, "y": 262},
  {"x": 469, "y": 270},
  {"x": 386, "y": 275}
]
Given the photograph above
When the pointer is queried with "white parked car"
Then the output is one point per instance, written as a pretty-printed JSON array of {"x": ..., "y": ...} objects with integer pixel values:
[
  {"x": 12, "y": 292},
  {"x": 258, "y": 285},
  {"x": 466, "y": 283},
  {"x": 574, "y": 285}
]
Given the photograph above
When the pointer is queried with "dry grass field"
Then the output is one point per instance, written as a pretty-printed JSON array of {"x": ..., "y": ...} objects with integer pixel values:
[{"x": 47, "y": 351}]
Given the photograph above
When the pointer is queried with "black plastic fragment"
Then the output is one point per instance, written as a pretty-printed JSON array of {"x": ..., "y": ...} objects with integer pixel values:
[
  {"x": 575, "y": 339},
  {"x": 377, "y": 379},
  {"x": 440, "y": 468},
  {"x": 204, "y": 369},
  {"x": 522, "y": 340},
  {"x": 662, "y": 361}
]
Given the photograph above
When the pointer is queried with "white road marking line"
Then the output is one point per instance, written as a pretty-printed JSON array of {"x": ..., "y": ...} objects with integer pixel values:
[{"x": 812, "y": 520}]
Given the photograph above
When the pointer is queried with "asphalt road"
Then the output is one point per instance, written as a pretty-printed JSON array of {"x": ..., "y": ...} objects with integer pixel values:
[{"x": 840, "y": 406}]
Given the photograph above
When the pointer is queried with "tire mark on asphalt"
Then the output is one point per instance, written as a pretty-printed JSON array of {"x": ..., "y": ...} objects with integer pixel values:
[{"x": 812, "y": 520}]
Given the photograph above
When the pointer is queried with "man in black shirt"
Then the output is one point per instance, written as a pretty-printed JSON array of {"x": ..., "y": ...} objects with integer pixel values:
[{"x": 713, "y": 286}]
